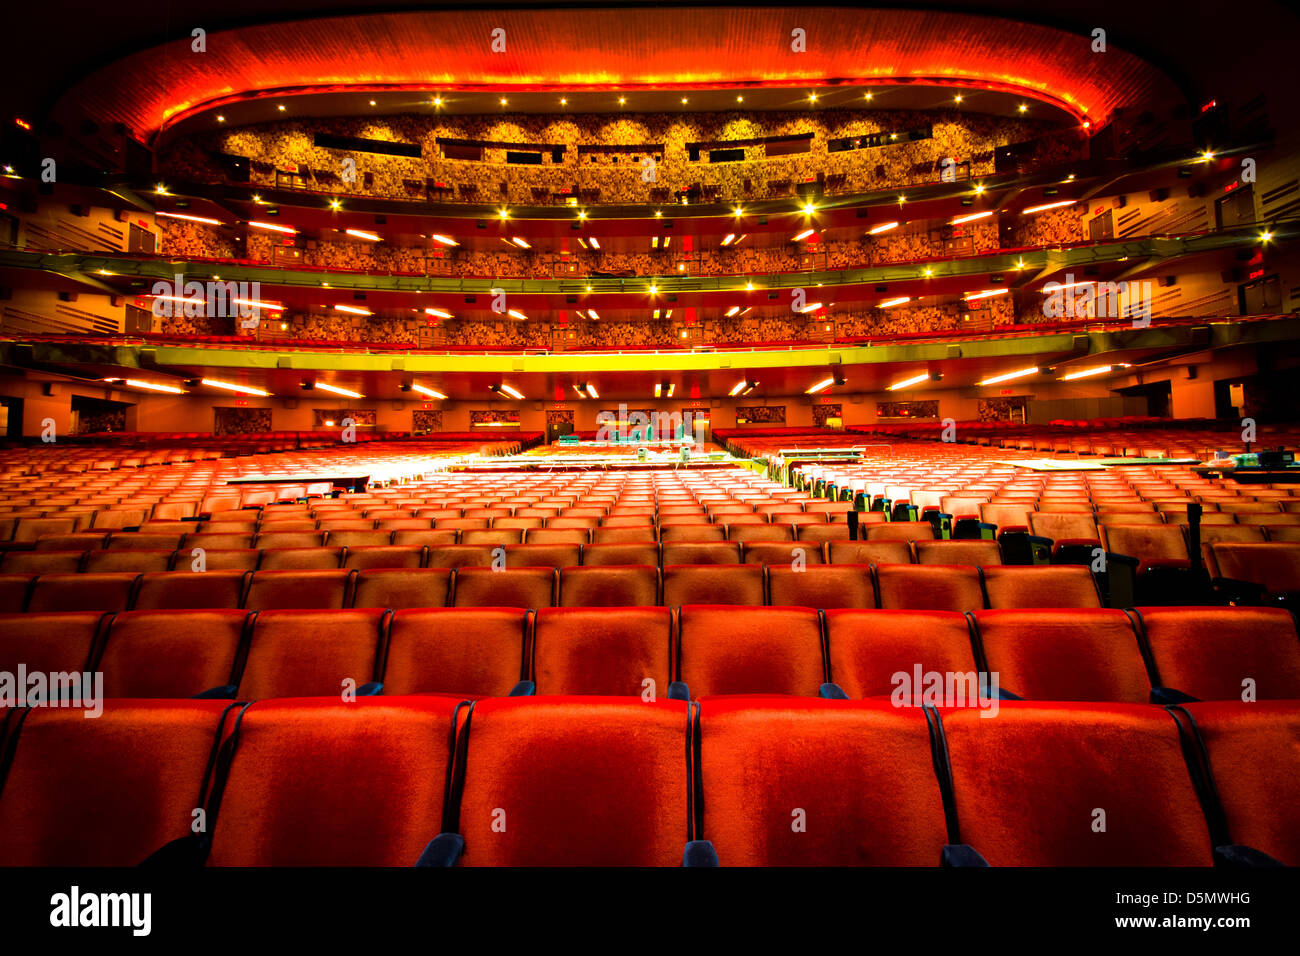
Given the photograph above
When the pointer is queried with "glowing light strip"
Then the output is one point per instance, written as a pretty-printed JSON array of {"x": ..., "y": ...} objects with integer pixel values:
[
  {"x": 883, "y": 227},
  {"x": 986, "y": 294},
  {"x": 1022, "y": 373},
  {"x": 346, "y": 392},
  {"x": 289, "y": 230},
  {"x": 357, "y": 233},
  {"x": 899, "y": 301},
  {"x": 232, "y": 387},
  {"x": 352, "y": 309},
  {"x": 445, "y": 240},
  {"x": 1087, "y": 373},
  {"x": 153, "y": 386},
  {"x": 820, "y": 386},
  {"x": 916, "y": 380},
  {"x": 971, "y": 218},
  {"x": 181, "y": 215},
  {"x": 425, "y": 390},
  {"x": 1050, "y": 205}
]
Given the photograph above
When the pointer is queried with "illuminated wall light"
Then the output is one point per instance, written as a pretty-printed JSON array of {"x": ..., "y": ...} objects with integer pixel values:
[
  {"x": 927, "y": 271},
  {"x": 511, "y": 391},
  {"x": 274, "y": 227},
  {"x": 181, "y": 215},
  {"x": 986, "y": 294},
  {"x": 732, "y": 311},
  {"x": 1022, "y": 107},
  {"x": 888, "y": 303},
  {"x": 622, "y": 100},
  {"x": 563, "y": 101},
  {"x": 504, "y": 101},
  {"x": 1265, "y": 236},
  {"x": 820, "y": 386},
  {"x": 582, "y": 242},
  {"x": 152, "y": 386},
  {"x": 668, "y": 241},
  {"x": 516, "y": 314},
  {"x": 1021, "y": 373},
  {"x": 582, "y": 214},
  {"x": 161, "y": 190},
  {"x": 970, "y": 218},
  {"x": 803, "y": 235},
  {"x": 280, "y": 107},
  {"x": 232, "y": 387},
  {"x": 654, "y": 290},
  {"x": 740, "y": 99},
  {"x": 1087, "y": 373},
  {"x": 908, "y": 382},
  {"x": 1050, "y": 205},
  {"x": 503, "y": 213},
  {"x": 883, "y": 227},
  {"x": 809, "y": 209},
  {"x": 739, "y": 211},
  {"x": 593, "y": 313},
  {"x": 957, "y": 98},
  {"x": 979, "y": 189},
  {"x": 437, "y": 101},
  {"x": 728, "y": 239},
  {"x": 811, "y": 307},
  {"x": 654, "y": 242},
  {"x": 591, "y": 390},
  {"x": 336, "y": 204},
  {"x": 221, "y": 119},
  {"x": 738, "y": 387},
  {"x": 595, "y": 243},
  {"x": 257, "y": 304},
  {"x": 683, "y": 101},
  {"x": 658, "y": 389},
  {"x": 672, "y": 387},
  {"x": 372, "y": 102},
  {"x": 353, "y": 310},
  {"x": 812, "y": 97},
  {"x": 358, "y": 234},
  {"x": 336, "y": 390},
  {"x": 521, "y": 242},
  {"x": 868, "y": 94},
  {"x": 438, "y": 313}
]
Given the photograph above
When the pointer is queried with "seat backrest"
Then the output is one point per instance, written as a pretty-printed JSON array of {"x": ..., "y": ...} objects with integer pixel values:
[
  {"x": 869, "y": 552},
  {"x": 570, "y": 747},
  {"x": 42, "y": 562},
  {"x": 185, "y": 589},
  {"x": 760, "y": 532},
  {"x": 627, "y": 586},
  {"x": 1046, "y": 586},
  {"x": 402, "y": 588},
  {"x": 1222, "y": 653},
  {"x": 976, "y": 552},
  {"x": 1146, "y": 542},
  {"x": 929, "y": 587},
  {"x": 323, "y": 783},
  {"x": 48, "y": 643},
  {"x": 310, "y": 653},
  {"x": 1062, "y": 526},
  {"x": 83, "y": 592},
  {"x": 879, "y": 653},
  {"x": 821, "y": 586},
  {"x": 384, "y": 556},
  {"x": 318, "y": 590},
  {"x": 128, "y": 560},
  {"x": 1081, "y": 654},
  {"x": 109, "y": 791},
  {"x": 813, "y": 754},
  {"x": 712, "y": 584},
  {"x": 509, "y": 587},
  {"x": 588, "y": 651},
  {"x": 171, "y": 653},
  {"x": 673, "y": 532},
  {"x": 460, "y": 556},
  {"x": 704, "y": 552},
  {"x": 757, "y": 650},
  {"x": 541, "y": 555},
  {"x": 1071, "y": 761},
  {"x": 1255, "y": 767},
  {"x": 473, "y": 652},
  {"x": 900, "y": 531},
  {"x": 1274, "y": 566},
  {"x": 598, "y": 555}
]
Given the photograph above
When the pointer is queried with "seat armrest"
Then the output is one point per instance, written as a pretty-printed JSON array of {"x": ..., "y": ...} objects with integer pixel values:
[
  {"x": 525, "y": 688},
  {"x": 678, "y": 690},
  {"x": 832, "y": 691},
  {"x": 700, "y": 853},
  {"x": 1238, "y": 856},
  {"x": 224, "y": 692},
  {"x": 443, "y": 850},
  {"x": 371, "y": 688},
  {"x": 961, "y": 854},
  {"x": 1168, "y": 695}
]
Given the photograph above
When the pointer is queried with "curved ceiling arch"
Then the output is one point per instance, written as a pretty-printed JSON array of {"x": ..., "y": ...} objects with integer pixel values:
[{"x": 615, "y": 49}]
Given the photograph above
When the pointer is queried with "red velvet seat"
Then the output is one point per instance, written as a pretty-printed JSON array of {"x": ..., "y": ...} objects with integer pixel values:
[
  {"x": 473, "y": 652},
  {"x": 42, "y": 562},
  {"x": 600, "y": 586},
  {"x": 598, "y": 555},
  {"x": 1221, "y": 653},
  {"x": 930, "y": 587},
  {"x": 109, "y": 791},
  {"x": 580, "y": 650},
  {"x": 311, "y": 653},
  {"x": 402, "y": 588},
  {"x": 384, "y": 556},
  {"x": 877, "y": 653},
  {"x": 171, "y": 653},
  {"x": 803, "y": 782},
  {"x": 541, "y": 555},
  {"x": 321, "y": 783},
  {"x": 83, "y": 592},
  {"x": 553, "y": 771},
  {"x": 1046, "y": 586},
  {"x": 783, "y": 553},
  {"x": 712, "y": 584},
  {"x": 1035, "y": 785},
  {"x": 49, "y": 643},
  {"x": 460, "y": 556},
  {"x": 184, "y": 589},
  {"x": 100, "y": 562},
  {"x": 510, "y": 587},
  {"x": 869, "y": 552},
  {"x": 702, "y": 552},
  {"x": 319, "y": 590},
  {"x": 822, "y": 586},
  {"x": 979, "y": 553},
  {"x": 757, "y": 650}
]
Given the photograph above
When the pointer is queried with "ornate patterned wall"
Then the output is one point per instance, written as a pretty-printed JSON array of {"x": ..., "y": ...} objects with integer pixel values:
[
  {"x": 821, "y": 413},
  {"x": 359, "y": 416},
  {"x": 760, "y": 414},
  {"x": 1003, "y": 409},
  {"x": 925, "y": 409},
  {"x": 427, "y": 420},
  {"x": 489, "y": 416},
  {"x": 559, "y": 416},
  {"x": 240, "y": 421}
]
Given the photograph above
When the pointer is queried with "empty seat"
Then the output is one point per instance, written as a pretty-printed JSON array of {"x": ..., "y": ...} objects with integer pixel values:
[
  {"x": 183, "y": 589},
  {"x": 1064, "y": 528},
  {"x": 626, "y": 586},
  {"x": 1212, "y": 534},
  {"x": 473, "y": 652},
  {"x": 47, "y": 644},
  {"x": 420, "y": 539},
  {"x": 760, "y": 532},
  {"x": 14, "y": 591},
  {"x": 541, "y": 555},
  {"x": 310, "y": 653},
  {"x": 105, "y": 792},
  {"x": 460, "y": 556},
  {"x": 878, "y": 653},
  {"x": 510, "y": 587},
  {"x": 1217, "y": 653},
  {"x": 81, "y": 541},
  {"x": 42, "y": 562},
  {"x": 822, "y": 586},
  {"x": 549, "y": 535},
  {"x": 491, "y": 537},
  {"x": 557, "y": 769},
  {"x": 83, "y": 592},
  {"x": 619, "y": 553},
  {"x": 1151, "y": 545},
  {"x": 673, "y": 532},
  {"x": 1083, "y": 654},
  {"x": 785, "y": 553},
  {"x": 712, "y": 584},
  {"x": 818, "y": 783},
  {"x": 171, "y": 653},
  {"x": 300, "y": 559},
  {"x": 1254, "y": 766},
  {"x": 289, "y": 539},
  {"x": 703, "y": 552},
  {"x": 930, "y": 587},
  {"x": 1275, "y": 566},
  {"x": 386, "y": 556},
  {"x": 217, "y": 541},
  {"x": 1093, "y": 785},
  {"x": 760, "y": 650},
  {"x": 402, "y": 587},
  {"x": 147, "y": 542},
  {"x": 32, "y": 529},
  {"x": 869, "y": 552},
  {"x": 319, "y": 783},
  {"x": 900, "y": 531},
  {"x": 128, "y": 560},
  {"x": 321, "y": 590},
  {"x": 358, "y": 539},
  {"x": 973, "y": 551},
  {"x": 1046, "y": 586},
  {"x": 588, "y": 651},
  {"x": 623, "y": 535}
]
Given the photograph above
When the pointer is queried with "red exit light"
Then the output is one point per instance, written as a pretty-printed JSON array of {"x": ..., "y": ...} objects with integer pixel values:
[{"x": 1209, "y": 106}]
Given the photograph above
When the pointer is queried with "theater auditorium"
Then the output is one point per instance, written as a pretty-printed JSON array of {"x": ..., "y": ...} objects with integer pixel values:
[{"x": 623, "y": 436}]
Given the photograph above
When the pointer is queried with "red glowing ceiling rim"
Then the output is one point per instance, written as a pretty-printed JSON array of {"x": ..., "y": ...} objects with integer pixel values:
[{"x": 624, "y": 49}]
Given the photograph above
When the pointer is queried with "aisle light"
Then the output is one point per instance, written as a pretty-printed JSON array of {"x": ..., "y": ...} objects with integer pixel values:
[
  {"x": 1022, "y": 373},
  {"x": 916, "y": 380},
  {"x": 232, "y": 387}
]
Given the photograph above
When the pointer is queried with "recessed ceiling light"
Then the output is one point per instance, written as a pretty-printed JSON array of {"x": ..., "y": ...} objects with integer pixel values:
[
  {"x": 740, "y": 99},
  {"x": 503, "y": 101},
  {"x": 563, "y": 101},
  {"x": 683, "y": 99},
  {"x": 280, "y": 107},
  {"x": 372, "y": 102},
  {"x": 1022, "y": 107},
  {"x": 221, "y": 119}
]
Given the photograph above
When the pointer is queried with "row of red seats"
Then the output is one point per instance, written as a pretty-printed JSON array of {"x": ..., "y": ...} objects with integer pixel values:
[
  {"x": 1158, "y": 654},
  {"x": 621, "y": 781},
  {"x": 898, "y": 586}
]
